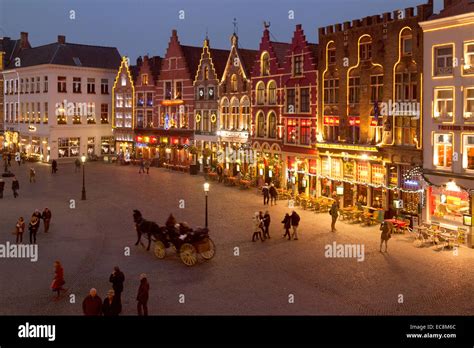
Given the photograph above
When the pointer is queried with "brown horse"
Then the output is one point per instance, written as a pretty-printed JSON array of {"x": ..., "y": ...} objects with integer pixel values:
[{"x": 150, "y": 228}]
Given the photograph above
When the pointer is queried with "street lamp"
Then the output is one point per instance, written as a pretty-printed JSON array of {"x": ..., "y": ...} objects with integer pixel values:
[
  {"x": 83, "y": 160},
  {"x": 206, "y": 190}
]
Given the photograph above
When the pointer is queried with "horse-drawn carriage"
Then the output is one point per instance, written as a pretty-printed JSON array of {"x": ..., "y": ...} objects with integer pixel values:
[{"x": 188, "y": 243}]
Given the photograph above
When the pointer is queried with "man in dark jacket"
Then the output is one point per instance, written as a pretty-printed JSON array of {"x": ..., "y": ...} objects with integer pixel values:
[
  {"x": 142, "y": 296},
  {"x": 273, "y": 194},
  {"x": 54, "y": 166},
  {"x": 38, "y": 215},
  {"x": 266, "y": 193},
  {"x": 287, "y": 225},
  {"x": 266, "y": 225},
  {"x": 334, "y": 212},
  {"x": 92, "y": 304},
  {"x": 117, "y": 278},
  {"x": 46, "y": 216},
  {"x": 111, "y": 306},
  {"x": 295, "y": 221},
  {"x": 15, "y": 187}
]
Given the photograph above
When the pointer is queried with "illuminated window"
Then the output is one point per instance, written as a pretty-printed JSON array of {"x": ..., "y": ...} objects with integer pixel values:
[
  {"x": 305, "y": 132},
  {"x": 149, "y": 99},
  {"x": 261, "y": 125},
  {"x": 443, "y": 150},
  {"x": 291, "y": 131},
  {"x": 265, "y": 64},
  {"x": 272, "y": 93},
  {"x": 119, "y": 100},
  {"x": 233, "y": 83},
  {"x": 405, "y": 130},
  {"x": 201, "y": 93},
  {"x": 210, "y": 92},
  {"x": 168, "y": 90},
  {"x": 272, "y": 122},
  {"x": 260, "y": 93},
  {"x": 123, "y": 80},
  {"x": 443, "y": 60},
  {"x": 469, "y": 103},
  {"x": 443, "y": 103},
  {"x": 235, "y": 114},
  {"x": 145, "y": 80},
  {"x": 206, "y": 73},
  {"x": 179, "y": 90},
  {"x": 469, "y": 57},
  {"x": 468, "y": 152}
]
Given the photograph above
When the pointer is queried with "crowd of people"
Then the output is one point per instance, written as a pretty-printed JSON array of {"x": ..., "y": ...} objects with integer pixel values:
[
  {"x": 93, "y": 305},
  {"x": 33, "y": 225}
]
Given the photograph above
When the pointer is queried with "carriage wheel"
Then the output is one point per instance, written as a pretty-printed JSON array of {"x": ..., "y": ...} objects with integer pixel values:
[
  {"x": 159, "y": 249},
  {"x": 207, "y": 255},
  {"x": 188, "y": 254}
]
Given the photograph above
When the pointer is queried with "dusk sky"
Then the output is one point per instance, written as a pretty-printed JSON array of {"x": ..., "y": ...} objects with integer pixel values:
[{"x": 138, "y": 27}]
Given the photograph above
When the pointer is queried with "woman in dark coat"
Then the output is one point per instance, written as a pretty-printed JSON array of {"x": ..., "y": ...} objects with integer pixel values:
[
  {"x": 58, "y": 281},
  {"x": 111, "y": 306},
  {"x": 287, "y": 225},
  {"x": 142, "y": 297},
  {"x": 33, "y": 227},
  {"x": 386, "y": 234},
  {"x": 117, "y": 278}
]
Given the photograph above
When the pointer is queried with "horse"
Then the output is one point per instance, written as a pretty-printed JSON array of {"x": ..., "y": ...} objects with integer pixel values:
[{"x": 144, "y": 226}]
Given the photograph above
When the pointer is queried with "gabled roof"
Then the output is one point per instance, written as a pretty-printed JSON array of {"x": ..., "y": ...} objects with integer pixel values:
[
  {"x": 248, "y": 58},
  {"x": 219, "y": 60},
  {"x": 281, "y": 50},
  {"x": 314, "y": 51},
  {"x": 192, "y": 55},
  {"x": 134, "y": 72},
  {"x": 70, "y": 54},
  {"x": 155, "y": 66},
  {"x": 10, "y": 48},
  {"x": 457, "y": 7}
]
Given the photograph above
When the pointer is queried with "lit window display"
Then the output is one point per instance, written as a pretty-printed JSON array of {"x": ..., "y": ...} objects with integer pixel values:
[{"x": 448, "y": 205}]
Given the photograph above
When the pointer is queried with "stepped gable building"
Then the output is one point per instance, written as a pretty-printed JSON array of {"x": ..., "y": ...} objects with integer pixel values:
[
  {"x": 206, "y": 89},
  {"x": 297, "y": 129},
  {"x": 234, "y": 106},
  {"x": 369, "y": 129},
  {"x": 267, "y": 107}
]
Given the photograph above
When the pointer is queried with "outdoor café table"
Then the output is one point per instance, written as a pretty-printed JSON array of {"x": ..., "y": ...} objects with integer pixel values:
[{"x": 398, "y": 224}]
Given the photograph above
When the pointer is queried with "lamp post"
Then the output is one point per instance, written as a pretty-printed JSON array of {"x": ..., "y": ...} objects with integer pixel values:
[
  {"x": 206, "y": 190},
  {"x": 83, "y": 160}
]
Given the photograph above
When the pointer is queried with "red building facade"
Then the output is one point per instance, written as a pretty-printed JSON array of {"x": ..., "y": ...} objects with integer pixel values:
[
  {"x": 267, "y": 107},
  {"x": 299, "y": 114}
]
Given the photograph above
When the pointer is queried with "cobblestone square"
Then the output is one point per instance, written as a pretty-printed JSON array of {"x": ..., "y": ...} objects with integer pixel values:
[{"x": 262, "y": 280}]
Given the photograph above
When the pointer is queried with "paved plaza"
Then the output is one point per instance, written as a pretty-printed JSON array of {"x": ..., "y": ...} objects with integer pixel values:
[{"x": 91, "y": 239}]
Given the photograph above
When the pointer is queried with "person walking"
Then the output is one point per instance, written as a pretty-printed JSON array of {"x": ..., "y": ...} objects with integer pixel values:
[
  {"x": 142, "y": 296},
  {"x": 117, "y": 279},
  {"x": 92, "y": 304},
  {"x": 257, "y": 234},
  {"x": 9, "y": 157},
  {"x": 334, "y": 212},
  {"x": 142, "y": 167},
  {"x": 46, "y": 216},
  {"x": 33, "y": 228},
  {"x": 287, "y": 225},
  {"x": 147, "y": 166},
  {"x": 18, "y": 158},
  {"x": 2, "y": 187},
  {"x": 266, "y": 193},
  {"x": 386, "y": 234},
  {"x": 111, "y": 306},
  {"x": 38, "y": 215},
  {"x": 266, "y": 225},
  {"x": 32, "y": 175},
  {"x": 219, "y": 172},
  {"x": 77, "y": 165},
  {"x": 273, "y": 194},
  {"x": 295, "y": 221},
  {"x": 15, "y": 187},
  {"x": 19, "y": 229},
  {"x": 54, "y": 166},
  {"x": 58, "y": 280}
]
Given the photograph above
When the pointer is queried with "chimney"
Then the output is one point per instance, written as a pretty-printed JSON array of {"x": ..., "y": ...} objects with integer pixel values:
[
  {"x": 24, "y": 40},
  {"x": 61, "y": 39}
]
